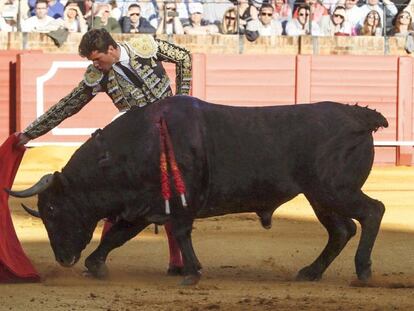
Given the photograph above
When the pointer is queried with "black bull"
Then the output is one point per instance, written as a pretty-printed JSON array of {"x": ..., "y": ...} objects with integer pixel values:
[{"x": 233, "y": 160}]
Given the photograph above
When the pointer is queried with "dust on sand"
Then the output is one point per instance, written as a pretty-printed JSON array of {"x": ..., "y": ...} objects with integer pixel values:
[{"x": 245, "y": 267}]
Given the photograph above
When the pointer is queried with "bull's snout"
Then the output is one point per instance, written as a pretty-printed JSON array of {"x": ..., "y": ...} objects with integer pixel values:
[{"x": 67, "y": 261}]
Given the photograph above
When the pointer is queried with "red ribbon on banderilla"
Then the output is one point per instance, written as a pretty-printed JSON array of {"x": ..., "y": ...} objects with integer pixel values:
[{"x": 167, "y": 151}]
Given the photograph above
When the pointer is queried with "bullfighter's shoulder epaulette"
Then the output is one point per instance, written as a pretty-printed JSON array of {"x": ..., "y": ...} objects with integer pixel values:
[
  {"x": 144, "y": 46},
  {"x": 92, "y": 76}
]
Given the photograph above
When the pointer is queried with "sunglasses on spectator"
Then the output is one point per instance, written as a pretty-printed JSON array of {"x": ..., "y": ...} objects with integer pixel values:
[
  {"x": 374, "y": 17},
  {"x": 231, "y": 17},
  {"x": 339, "y": 15},
  {"x": 405, "y": 16},
  {"x": 304, "y": 14},
  {"x": 266, "y": 14},
  {"x": 134, "y": 14},
  {"x": 171, "y": 9}
]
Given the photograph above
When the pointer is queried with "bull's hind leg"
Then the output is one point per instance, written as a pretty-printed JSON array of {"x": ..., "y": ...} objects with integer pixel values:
[
  {"x": 369, "y": 213},
  {"x": 340, "y": 230},
  {"x": 117, "y": 235}
]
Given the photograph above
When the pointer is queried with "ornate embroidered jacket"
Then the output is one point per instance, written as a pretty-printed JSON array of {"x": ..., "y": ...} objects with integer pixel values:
[{"x": 145, "y": 55}]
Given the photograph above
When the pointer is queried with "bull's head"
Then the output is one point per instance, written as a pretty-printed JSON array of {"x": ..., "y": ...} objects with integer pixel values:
[{"x": 68, "y": 230}]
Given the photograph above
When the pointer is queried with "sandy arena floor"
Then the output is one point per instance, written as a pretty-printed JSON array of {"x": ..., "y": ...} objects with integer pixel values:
[{"x": 245, "y": 266}]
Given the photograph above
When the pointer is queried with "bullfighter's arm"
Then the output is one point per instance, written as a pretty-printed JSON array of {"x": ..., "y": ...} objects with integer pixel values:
[
  {"x": 65, "y": 108},
  {"x": 182, "y": 58}
]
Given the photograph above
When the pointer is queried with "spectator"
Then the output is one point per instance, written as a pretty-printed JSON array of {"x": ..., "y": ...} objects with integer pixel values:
[
  {"x": 265, "y": 26},
  {"x": 403, "y": 25},
  {"x": 4, "y": 27},
  {"x": 73, "y": 18},
  {"x": 282, "y": 10},
  {"x": 249, "y": 9},
  {"x": 115, "y": 10},
  {"x": 104, "y": 20},
  {"x": 55, "y": 9},
  {"x": 169, "y": 22},
  {"x": 41, "y": 22},
  {"x": 199, "y": 26},
  {"x": 214, "y": 10},
  {"x": 317, "y": 10},
  {"x": 390, "y": 11},
  {"x": 134, "y": 22},
  {"x": 353, "y": 13},
  {"x": 372, "y": 25},
  {"x": 336, "y": 24},
  {"x": 300, "y": 25},
  {"x": 230, "y": 22},
  {"x": 9, "y": 9}
]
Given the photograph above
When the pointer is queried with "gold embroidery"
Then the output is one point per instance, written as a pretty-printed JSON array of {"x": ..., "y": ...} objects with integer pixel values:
[
  {"x": 92, "y": 76},
  {"x": 144, "y": 46}
]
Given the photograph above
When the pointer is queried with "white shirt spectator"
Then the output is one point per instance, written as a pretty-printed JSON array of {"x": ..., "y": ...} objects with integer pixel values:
[
  {"x": 4, "y": 26},
  {"x": 47, "y": 24},
  {"x": 41, "y": 22},
  {"x": 272, "y": 29},
  {"x": 294, "y": 28},
  {"x": 390, "y": 9}
]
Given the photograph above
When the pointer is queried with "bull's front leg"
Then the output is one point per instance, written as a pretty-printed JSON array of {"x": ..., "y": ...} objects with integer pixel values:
[
  {"x": 182, "y": 232},
  {"x": 117, "y": 235}
]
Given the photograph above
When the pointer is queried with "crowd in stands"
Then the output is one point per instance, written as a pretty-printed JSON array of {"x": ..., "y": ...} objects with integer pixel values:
[{"x": 253, "y": 18}]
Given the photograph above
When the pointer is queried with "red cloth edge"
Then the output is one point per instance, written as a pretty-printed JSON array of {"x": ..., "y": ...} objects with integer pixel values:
[{"x": 15, "y": 266}]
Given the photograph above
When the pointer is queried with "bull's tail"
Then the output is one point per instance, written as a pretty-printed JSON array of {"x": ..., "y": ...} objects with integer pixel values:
[{"x": 369, "y": 119}]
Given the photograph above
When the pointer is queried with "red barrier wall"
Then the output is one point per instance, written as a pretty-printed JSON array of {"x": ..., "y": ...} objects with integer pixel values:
[
  {"x": 382, "y": 82},
  {"x": 7, "y": 59}
]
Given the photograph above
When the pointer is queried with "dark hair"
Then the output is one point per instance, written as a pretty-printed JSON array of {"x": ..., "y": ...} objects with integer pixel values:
[
  {"x": 134, "y": 5},
  {"x": 41, "y": 1},
  {"x": 266, "y": 6},
  {"x": 96, "y": 40}
]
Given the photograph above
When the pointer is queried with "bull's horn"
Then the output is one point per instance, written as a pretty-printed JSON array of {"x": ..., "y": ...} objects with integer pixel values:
[
  {"x": 31, "y": 211},
  {"x": 40, "y": 186}
]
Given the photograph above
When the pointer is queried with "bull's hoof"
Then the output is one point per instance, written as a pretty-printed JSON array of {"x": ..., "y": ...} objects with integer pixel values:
[
  {"x": 97, "y": 270},
  {"x": 308, "y": 274},
  {"x": 191, "y": 280},
  {"x": 365, "y": 275},
  {"x": 174, "y": 271}
]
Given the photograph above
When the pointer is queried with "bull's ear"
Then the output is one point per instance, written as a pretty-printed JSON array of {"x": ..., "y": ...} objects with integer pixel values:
[{"x": 60, "y": 182}]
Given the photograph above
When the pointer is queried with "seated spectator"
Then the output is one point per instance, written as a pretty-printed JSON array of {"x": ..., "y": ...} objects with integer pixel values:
[
  {"x": 403, "y": 25},
  {"x": 301, "y": 24},
  {"x": 10, "y": 9},
  {"x": 266, "y": 25},
  {"x": 4, "y": 27},
  {"x": 230, "y": 23},
  {"x": 115, "y": 10},
  {"x": 372, "y": 25},
  {"x": 390, "y": 11},
  {"x": 317, "y": 10},
  {"x": 282, "y": 10},
  {"x": 73, "y": 18},
  {"x": 336, "y": 24},
  {"x": 199, "y": 26},
  {"x": 169, "y": 22},
  {"x": 104, "y": 20},
  {"x": 55, "y": 9},
  {"x": 41, "y": 22},
  {"x": 214, "y": 10},
  {"x": 134, "y": 22},
  {"x": 353, "y": 13}
]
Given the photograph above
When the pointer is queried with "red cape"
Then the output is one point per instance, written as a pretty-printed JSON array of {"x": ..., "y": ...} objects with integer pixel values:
[{"x": 14, "y": 264}]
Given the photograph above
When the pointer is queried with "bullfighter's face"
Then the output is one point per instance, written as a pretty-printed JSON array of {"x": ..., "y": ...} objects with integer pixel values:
[
  {"x": 68, "y": 231},
  {"x": 104, "y": 61}
]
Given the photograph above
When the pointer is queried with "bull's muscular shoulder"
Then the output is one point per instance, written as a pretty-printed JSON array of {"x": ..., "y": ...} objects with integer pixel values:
[
  {"x": 92, "y": 76},
  {"x": 144, "y": 46}
]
